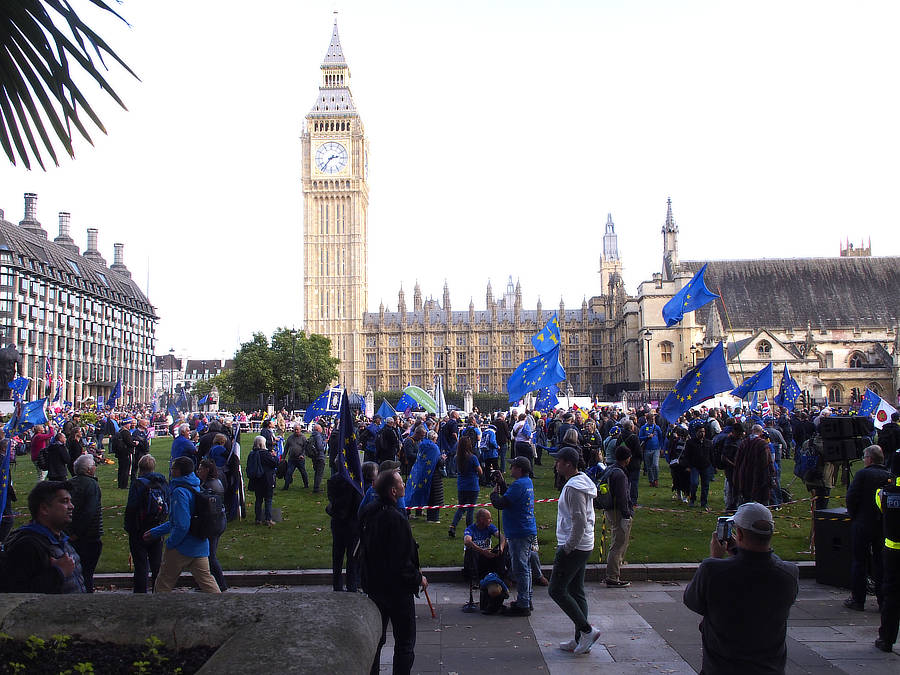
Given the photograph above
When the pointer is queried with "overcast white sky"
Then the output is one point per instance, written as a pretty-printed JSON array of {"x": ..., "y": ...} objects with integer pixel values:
[{"x": 501, "y": 135}]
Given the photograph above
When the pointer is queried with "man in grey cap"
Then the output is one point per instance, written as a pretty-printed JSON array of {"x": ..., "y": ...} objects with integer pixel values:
[{"x": 744, "y": 597}]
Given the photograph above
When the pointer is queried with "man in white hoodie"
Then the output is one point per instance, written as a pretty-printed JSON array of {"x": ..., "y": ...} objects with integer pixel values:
[{"x": 575, "y": 541}]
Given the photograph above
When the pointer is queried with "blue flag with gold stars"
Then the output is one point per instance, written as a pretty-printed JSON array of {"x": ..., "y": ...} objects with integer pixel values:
[
  {"x": 541, "y": 371},
  {"x": 548, "y": 337},
  {"x": 789, "y": 391},
  {"x": 547, "y": 399},
  {"x": 422, "y": 473},
  {"x": 759, "y": 382},
  {"x": 348, "y": 448},
  {"x": 705, "y": 380},
  {"x": 694, "y": 295}
]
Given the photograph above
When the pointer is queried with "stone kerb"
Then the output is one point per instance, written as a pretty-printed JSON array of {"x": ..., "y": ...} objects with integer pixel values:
[{"x": 268, "y": 631}]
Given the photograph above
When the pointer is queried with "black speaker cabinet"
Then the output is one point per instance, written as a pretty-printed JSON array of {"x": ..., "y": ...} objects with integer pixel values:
[{"x": 833, "y": 550}]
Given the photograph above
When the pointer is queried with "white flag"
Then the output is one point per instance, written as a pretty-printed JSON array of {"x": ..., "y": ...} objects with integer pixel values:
[{"x": 883, "y": 413}]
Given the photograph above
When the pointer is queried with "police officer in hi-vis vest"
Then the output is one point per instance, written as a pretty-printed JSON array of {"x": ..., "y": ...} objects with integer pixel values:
[{"x": 888, "y": 501}]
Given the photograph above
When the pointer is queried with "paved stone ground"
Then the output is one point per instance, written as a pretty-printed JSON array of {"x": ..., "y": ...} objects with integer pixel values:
[{"x": 646, "y": 629}]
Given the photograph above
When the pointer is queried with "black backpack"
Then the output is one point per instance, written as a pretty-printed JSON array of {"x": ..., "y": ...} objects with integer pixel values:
[
  {"x": 43, "y": 458},
  {"x": 717, "y": 454},
  {"x": 207, "y": 514},
  {"x": 605, "y": 501},
  {"x": 153, "y": 504}
]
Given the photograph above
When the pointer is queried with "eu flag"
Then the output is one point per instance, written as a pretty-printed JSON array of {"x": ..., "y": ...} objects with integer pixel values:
[
  {"x": 422, "y": 473},
  {"x": 694, "y": 295},
  {"x": 789, "y": 391},
  {"x": 30, "y": 414},
  {"x": 328, "y": 403},
  {"x": 348, "y": 448},
  {"x": 182, "y": 403},
  {"x": 541, "y": 371},
  {"x": 869, "y": 403},
  {"x": 705, "y": 380},
  {"x": 759, "y": 382},
  {"x": 18, "y": 387},
  {"x": 547, "y": 399},
  {"x": 548, "y": 337},
  {"x": 203, "y": 400},
  {"x": 117, "y": 393}
]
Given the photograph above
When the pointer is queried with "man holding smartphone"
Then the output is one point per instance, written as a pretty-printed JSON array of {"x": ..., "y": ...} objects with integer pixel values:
[{"x": 744, "y": 593}]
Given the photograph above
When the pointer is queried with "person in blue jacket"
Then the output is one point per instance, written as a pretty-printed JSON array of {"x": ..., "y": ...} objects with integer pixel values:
[
  {"x": 520, "y": 528},
  {"x": 183, "y": 551},
  {"x": 651, "y": 438},
  {"x": 182, "y": 446}
]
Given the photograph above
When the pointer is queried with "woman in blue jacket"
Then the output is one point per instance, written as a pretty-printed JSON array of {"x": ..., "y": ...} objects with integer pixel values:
[{"x": 468, "y": 472}]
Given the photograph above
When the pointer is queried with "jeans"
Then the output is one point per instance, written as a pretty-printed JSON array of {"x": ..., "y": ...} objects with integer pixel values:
[
  {"x": 502, "y": 452},
  {"x": 535, "y": 560},
  {"x": 214, "y": 567},
  {"x": 867, "y": 543},
  {"x": 146, "y": 557},
  {"x": 263, "y": 497},
  {"x": 89, "y": 552},
  {"x": 651, "y": 462},
  {"x": 344, "y": 538},
  {"x": 633, "y": 480},
  {"x": 567, "y": 586},
  {"x": 400, "y": 610},
  {"x": 465, "y": 497},
  {"x": 299, "y": 464},
  {"x": 319, "y": 469},
  {"x": 701, "y": 477},
  {"x": 520, "y": 553},
  {"x": 775, "y": 491}
]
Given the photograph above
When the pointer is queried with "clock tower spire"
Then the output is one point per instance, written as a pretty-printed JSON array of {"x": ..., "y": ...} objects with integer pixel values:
[{"x": 334, "y": 164}]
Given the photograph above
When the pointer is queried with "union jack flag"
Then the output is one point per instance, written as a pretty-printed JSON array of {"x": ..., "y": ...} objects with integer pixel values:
[{"x": 48, "y": 373}]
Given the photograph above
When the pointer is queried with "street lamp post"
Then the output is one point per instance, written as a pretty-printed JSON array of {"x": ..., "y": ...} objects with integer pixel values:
[
  {"x": 694, "y": 351},
  {"x": 171, "y": 373},
  {"x": 293, "y": 369},
  {"x": 446, "y": 368},
  {"x": 647, "y": 335}
]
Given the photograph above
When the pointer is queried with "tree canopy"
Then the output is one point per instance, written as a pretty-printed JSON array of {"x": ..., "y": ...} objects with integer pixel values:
[{"x": 290, "y": 361}]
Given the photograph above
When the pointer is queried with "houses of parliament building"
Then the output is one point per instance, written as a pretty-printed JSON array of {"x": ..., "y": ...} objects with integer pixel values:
[{"x": 833, "y": 321}]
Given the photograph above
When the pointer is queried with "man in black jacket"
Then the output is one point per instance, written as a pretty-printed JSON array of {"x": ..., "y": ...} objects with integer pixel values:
[
  {"x": 390, "y": 569},
  {"x": 866, "y": 536},
  {"x": 343, "y": 506},
  {"x": 889, "y": 441},
  {"x": 58, "y": 459},
  {"x": 503, "y": 439},
  {"x": 387, "y": 442},
  {"x": 745, "y": 599},
  {"x": 40, "y": 558},
  {"x": 631, "y": 441},
  {"x": 124, "y": 448},
  {"x": 86, "y": 530}
]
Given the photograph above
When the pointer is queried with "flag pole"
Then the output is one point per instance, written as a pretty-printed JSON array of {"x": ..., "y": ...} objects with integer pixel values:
[{"x": 731, "y": 329}]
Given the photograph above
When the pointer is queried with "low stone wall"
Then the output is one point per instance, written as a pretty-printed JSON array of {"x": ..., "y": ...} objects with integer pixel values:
[{"x": 262, "y": 632}]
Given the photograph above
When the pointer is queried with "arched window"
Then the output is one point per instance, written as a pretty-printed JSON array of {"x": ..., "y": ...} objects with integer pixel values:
[
  {"x": 764, "y": 349},
  {"x": 665, "y": 352},
  {"x": 858, "y": 360},
  {"x": 875, "y": 387},
  {"x": 835, "y": 393}
]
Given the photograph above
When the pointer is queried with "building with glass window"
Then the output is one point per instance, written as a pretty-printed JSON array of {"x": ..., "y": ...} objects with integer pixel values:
[
  {"x": 90, "y": 320},
  {"x": 833, "y": 321}
]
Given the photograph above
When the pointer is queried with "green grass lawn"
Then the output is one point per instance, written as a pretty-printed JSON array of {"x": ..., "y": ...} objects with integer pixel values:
[{"x": 663, "y": 531}]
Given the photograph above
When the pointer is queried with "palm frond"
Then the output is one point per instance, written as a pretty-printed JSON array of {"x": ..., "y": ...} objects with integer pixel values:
[{"x": 39, "y": 40}]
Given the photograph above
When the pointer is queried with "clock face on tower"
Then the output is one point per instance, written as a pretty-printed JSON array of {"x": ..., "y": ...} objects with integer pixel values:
[{"x": 331, "y": 157}]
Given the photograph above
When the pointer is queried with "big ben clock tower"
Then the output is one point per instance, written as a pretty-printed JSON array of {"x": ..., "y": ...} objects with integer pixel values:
[{"x": 335, "y": 201}]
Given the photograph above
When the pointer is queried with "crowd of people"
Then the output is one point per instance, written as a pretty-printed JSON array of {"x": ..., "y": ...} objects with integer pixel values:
[{"x": 405, "y": 463}]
